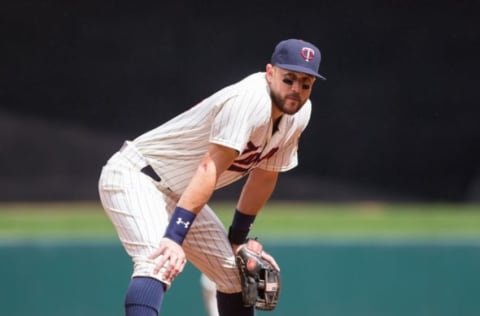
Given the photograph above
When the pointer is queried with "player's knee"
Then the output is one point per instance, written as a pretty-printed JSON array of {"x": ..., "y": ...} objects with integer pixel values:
[
  {"x": 144, "y": 267},
  {"x": 228, "y": 282}
]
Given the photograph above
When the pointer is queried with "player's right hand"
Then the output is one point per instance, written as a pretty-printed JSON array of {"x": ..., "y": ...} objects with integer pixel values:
[{"x": 171, "y": 257}]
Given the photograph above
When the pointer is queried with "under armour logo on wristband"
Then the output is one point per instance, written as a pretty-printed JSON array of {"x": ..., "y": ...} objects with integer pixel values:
[
  {"x": 179, "y": 224},
  {"x": 180, "y": 221}
]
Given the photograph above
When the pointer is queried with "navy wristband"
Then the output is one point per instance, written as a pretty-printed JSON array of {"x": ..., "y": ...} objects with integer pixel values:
[
  {"x": 242, "y": 221},
  {"x": 241, "y": 225},
  {"x": 179, "y": 225}
]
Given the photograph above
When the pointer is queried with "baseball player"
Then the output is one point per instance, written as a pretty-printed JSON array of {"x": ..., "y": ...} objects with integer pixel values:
[
  {"x": 209, "y": 293},
  {"x": 155, "y": 189}
]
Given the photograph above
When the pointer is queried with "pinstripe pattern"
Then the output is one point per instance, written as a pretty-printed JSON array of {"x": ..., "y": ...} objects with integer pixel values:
[
  {"x": 239, "y": 117},
  {"x": 140, "y": 213},
  {"x": 231, "y": 117}
]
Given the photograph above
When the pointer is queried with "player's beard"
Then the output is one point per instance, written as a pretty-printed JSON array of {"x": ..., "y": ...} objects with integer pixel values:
[{"x": 290, "y": 104}]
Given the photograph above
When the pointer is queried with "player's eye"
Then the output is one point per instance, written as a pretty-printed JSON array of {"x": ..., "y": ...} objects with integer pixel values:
[
  {"x": 288, "y": 81},
  {"x": 305, "y": 86}
]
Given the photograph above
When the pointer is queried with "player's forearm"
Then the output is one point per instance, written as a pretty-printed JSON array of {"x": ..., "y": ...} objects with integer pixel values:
[
  {"x": 196, "y": 195},
  {"x": 256, "y": 191}
]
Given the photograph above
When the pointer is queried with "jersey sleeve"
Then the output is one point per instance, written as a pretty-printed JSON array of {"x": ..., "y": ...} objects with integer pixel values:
[{"x": 235, "y": 119}]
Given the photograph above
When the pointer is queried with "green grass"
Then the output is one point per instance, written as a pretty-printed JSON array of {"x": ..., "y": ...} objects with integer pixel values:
[
  {"x": 371, "y": 220},
  {"x": 53, "y": 220},
  {"x": 279, "y": 220}
]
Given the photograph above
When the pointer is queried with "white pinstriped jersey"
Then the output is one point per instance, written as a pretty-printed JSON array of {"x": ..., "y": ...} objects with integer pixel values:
[{"x": 238, "y": 117}]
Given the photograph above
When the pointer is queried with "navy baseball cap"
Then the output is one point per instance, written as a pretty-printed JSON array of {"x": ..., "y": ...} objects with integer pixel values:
[{"x": 297, "y": 55}]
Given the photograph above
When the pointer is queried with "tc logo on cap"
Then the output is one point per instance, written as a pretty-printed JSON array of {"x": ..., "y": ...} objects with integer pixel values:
[
  {"x": 297, "y": 55},
  {"x": 307, "y": 53}
]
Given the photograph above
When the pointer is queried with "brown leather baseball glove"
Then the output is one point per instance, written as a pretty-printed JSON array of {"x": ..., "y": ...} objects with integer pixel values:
[{"x": 260, "y": 281}]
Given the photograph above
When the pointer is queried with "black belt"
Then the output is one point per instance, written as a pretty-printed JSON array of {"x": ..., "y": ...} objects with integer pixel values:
[{"x": 148, "y": 170}]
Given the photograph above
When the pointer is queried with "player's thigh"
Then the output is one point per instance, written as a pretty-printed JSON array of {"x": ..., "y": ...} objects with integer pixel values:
[
  {"x": 137, "y": 209},
  {"x": 207, "y": 247}
]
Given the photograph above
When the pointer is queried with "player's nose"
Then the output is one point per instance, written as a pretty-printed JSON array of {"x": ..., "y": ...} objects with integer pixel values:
[{"x": 296, "y": 86}]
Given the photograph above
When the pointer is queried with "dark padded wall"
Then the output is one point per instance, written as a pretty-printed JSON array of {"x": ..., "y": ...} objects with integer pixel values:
[{"x": 397, "y": 117}]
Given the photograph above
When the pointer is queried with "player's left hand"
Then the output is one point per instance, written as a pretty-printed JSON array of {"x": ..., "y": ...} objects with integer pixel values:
[
  {"x": 260, "y": 276},
  {"x": 270, "y": 260},
  {"x": 264, "y": 255},
  {"x": 171, "y": 257}
]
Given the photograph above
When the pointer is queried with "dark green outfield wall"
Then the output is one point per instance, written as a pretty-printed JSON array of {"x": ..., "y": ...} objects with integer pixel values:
[{"x": 328, "y": 279}]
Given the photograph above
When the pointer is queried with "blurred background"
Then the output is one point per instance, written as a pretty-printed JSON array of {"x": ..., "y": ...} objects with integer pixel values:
[
  {"x": 396, "y": 120},
  {"x": 386, "y": 194}
]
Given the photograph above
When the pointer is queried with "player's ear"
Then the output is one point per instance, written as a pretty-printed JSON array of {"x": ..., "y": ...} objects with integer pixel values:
[{"x": 269, "y": 69}]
